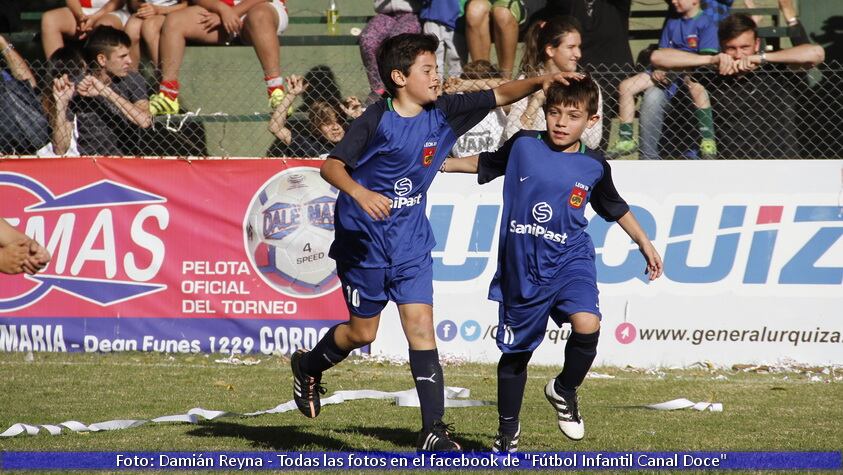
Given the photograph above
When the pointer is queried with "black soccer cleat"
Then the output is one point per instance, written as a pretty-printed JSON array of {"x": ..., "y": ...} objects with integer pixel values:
[
  {"x": 437, "y": 439},
  {"x": 505, "y": 443},
  {"x": 306, "y": 389}
]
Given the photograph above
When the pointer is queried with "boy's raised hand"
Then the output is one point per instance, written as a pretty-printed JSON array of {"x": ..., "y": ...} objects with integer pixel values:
[
  {"x": 296, "y": 85},
  {"x": 654, "y": 260},
  {"x": 376, "y": 205}
]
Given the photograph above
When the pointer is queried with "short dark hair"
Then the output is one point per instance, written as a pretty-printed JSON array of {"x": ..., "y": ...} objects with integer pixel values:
[
  {"x": 66, "y": 60},
  {"x": 104, "y": 39},
  {"x": 735, "y": 25},
  {"x": 400, "y": 52},
  {"x": 578, "y": 93}
]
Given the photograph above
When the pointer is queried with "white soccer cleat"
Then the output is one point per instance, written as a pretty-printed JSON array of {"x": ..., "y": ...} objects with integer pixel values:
[{"x": 567, "y": 412}]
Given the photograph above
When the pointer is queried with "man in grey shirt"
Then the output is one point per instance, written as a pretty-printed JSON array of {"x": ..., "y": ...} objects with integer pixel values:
[{"x": 110, "y": 103}]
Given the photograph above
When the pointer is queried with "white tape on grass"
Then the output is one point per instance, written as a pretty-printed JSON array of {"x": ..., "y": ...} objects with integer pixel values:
[
  {"x": 454, "y": 397},
  {"x": 683, "y": 403}
]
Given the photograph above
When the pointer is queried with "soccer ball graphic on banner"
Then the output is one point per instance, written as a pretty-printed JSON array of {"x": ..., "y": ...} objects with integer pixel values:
[{"x": 288, "y": 231}]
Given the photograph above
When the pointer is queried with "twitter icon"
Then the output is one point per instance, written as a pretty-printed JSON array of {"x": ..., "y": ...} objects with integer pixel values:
[{"x": 470, "y": 330}]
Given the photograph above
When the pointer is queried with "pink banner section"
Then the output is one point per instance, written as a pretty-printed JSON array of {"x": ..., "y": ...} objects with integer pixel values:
[{"x": 174, "y": 239}]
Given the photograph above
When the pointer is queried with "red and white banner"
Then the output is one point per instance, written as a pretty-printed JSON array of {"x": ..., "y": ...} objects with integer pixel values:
[{"x": 165, "y": 255}]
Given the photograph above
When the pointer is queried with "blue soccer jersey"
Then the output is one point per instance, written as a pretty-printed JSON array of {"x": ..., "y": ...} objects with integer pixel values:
[
  {"x": 694, "y": 35},
  {"x": 543, "y": 223},
  {"x": 398, "y": 157}
]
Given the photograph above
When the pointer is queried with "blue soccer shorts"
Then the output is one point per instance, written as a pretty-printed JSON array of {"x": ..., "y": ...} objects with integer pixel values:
[
  {"x": 522, "y": 328},
  {"x": 368, "y": 290}
]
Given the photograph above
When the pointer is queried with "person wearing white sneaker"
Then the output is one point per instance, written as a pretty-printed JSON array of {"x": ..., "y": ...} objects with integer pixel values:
[{"x": 546, "y": 264}]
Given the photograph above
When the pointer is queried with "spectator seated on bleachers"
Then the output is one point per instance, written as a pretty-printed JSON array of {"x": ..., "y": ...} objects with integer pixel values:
[
  {"x": 439, "y": 18},
  {"x": 78, "y": 19},
  {"x": 506, "y": 17},
  {"x": 325, "y": 126},
  {"x": 65, "y": 68},
  {"x": 108, "y": 106},
  {"x": 23, "y": 125},
  {"x": 392, "y": 17},
  {"x": 753, "y": 100},
  {"x": 145, "y": 25},
  {"x": 693, "y": 32},
  {"x": 255, "y": 22}
]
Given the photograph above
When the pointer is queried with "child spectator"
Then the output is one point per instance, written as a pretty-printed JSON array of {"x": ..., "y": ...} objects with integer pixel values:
[
  {"x": 716, "y": 9},
  {"x": 65, "y": 68},
  {"x": 256, "y": 22},
  {"x": 146, "y": 23},
  {"x": 383, "y": 168},
  {"x": 488, "y": 134},
  {"x": 694, "y": 32},
  {"x": 392, "y": 18},
  {"x": 546, "y": 262},
  {"x": 325, "y": 125},
  {"x": 549, "y": 47},
  {"x": 439, "y": 18},
  {"x": 78, "y": 19},
  {"x": 506, "y": 18}
]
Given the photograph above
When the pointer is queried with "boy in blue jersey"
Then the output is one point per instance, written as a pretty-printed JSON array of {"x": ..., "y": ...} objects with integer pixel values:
[
  {"x": 692, "y": 31},
  {"x": 545, "y": 258},
  {"x": 383, "y": 167}
]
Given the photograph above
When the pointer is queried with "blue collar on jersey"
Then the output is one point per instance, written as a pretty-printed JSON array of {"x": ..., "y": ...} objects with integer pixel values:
[{"x": 580, "y": 150}]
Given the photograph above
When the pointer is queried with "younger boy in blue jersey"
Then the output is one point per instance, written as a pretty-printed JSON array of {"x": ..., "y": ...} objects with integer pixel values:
[
  {"x": 383, "y": 167},
  {"x": 545, "y": 258}
]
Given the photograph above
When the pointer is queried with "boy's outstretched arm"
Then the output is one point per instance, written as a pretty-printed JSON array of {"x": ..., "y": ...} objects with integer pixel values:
[
  {"x": 376, "y": 205},
  {"x": 514, "y": 91},
  {"x": 461, "y": 165},
  {"x": 633, "y": 229}
]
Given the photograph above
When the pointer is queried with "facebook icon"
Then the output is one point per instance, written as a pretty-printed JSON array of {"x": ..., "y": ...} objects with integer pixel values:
[{"x": 446, "y": 330}]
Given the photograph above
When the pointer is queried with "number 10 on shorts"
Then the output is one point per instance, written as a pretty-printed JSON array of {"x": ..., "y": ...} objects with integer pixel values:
[{"x": 353, "y": 296}]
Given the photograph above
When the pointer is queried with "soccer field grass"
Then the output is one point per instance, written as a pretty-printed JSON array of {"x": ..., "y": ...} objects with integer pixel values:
[{"x": 777, "y": 411}]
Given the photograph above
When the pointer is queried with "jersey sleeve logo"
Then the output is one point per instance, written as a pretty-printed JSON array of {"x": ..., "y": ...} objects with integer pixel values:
[
  {"x": 577, "y": 197},
  {"x": 428, "y": 152}
]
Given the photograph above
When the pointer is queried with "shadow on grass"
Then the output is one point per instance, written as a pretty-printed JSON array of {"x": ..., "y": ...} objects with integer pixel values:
[
  {"x": 407, "y": 439},
  {"x": 279, "y": 438},
  {"x": 291, "y": 437}
]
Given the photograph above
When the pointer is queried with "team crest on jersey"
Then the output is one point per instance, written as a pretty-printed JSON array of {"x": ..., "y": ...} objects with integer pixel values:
[
  {"x": 577, "y": 197},
  {"x": 428, "y": 152},
  {"x": 692, "y": 41}
]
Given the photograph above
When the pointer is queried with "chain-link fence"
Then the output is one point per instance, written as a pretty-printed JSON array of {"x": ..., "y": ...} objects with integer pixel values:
[{"x": 770, "y": 113}]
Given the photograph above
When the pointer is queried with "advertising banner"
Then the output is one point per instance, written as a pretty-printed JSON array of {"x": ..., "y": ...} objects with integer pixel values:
[
  {"x": 753, "y": 261},
  {"x": 165, "y": 255},
  {"x": 231, "y": 255}
]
